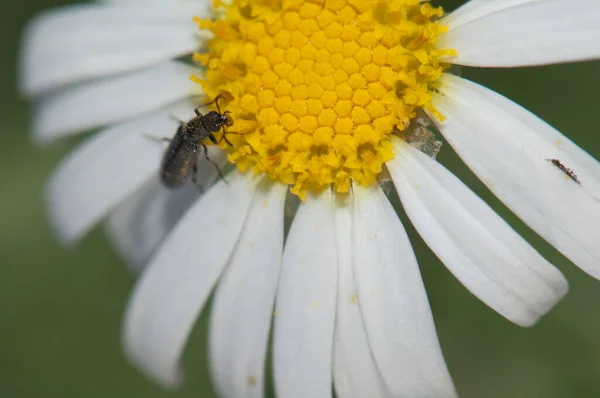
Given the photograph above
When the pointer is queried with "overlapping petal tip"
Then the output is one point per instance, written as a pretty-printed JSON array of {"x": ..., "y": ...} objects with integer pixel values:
[
  {"x": 97, "y": 103},
  {"x": 306, "y": 303},
  {"x": 243, "y": 303},
  {"x": 516, "y": 33},
  {"x": 393, "y": 301},
  {"x": 81, "y": 42},
  {"x": 141, "y": 222},
  {"x": 511, "y": 151},
  {"x": 178, "y": 280},
  {"x": 476, "y": 245}
]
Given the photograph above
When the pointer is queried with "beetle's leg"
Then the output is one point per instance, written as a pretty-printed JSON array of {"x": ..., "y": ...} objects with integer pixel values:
[
  {"x": 197, "y": 110},
  {"x": 215, "y": 101},
  {"x": 210, "y": 161},
  {"x": 163, "y": 139},
  {"x": 224, "y": 136},
  {"x": 178, "y": 120},
  {"x": 226, "y": 140},
  {"x": 212, "y": 139},
  {"x": 160, "y": 139}
]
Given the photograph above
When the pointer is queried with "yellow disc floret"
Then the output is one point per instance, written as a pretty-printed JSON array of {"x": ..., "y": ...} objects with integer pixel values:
[{"x": 316, "y": 88}]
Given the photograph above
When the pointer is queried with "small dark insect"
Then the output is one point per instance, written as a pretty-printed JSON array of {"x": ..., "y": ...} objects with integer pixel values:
[
  {"x": 565, "y": 170},
  {"x": 181, "y": 157}
]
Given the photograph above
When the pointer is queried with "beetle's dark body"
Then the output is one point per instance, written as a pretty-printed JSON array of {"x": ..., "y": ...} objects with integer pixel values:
[
  {"x": 181, "y": 157},
  {"x": 570, "y": 173}
]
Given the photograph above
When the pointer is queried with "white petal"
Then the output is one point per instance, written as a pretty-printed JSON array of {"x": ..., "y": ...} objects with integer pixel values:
[
  {"x": 93, "y": 104},
  {"x": 103, "y": 171},
  {"x": 476, "y": 245},
  {"x": 393, "y": 301},
  {"x": 243, "y": 303},
  {"x": 536, "y": 33},
  {"x": 81, "y": 42},
  {"x": 141, "y": 222},
  {"x": 175, "y": 285},
  {"x": 475, "y": 9},
  {"x": 354, "y": 370},
  {"x": 509, "y": 150},
  {"x": 533, "y": 132},
  {"x": 306, "y": 301}
]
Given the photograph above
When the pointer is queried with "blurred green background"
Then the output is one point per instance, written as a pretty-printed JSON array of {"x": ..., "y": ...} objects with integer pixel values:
[{"x": 60, "y": 310}]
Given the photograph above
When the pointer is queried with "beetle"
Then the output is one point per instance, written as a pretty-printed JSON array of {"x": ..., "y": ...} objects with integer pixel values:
[
  {"x": 181, "y": 157},
  {"x": 570, "y": 173}
]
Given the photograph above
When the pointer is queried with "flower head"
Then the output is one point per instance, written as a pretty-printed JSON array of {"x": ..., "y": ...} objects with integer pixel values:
[
  {"x": 317, "y": 89},
  {"x": 324, "y": 96}
]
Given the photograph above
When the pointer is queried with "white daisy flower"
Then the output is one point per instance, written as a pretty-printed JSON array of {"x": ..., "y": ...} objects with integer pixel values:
[{"x": 320, "y": 93}]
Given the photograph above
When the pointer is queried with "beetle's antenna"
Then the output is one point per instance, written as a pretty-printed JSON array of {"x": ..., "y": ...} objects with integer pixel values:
[{"x": 216, "y": 101}]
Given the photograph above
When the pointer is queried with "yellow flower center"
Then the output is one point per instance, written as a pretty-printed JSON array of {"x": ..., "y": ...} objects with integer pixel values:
[{"x": 316, "y": 88}]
